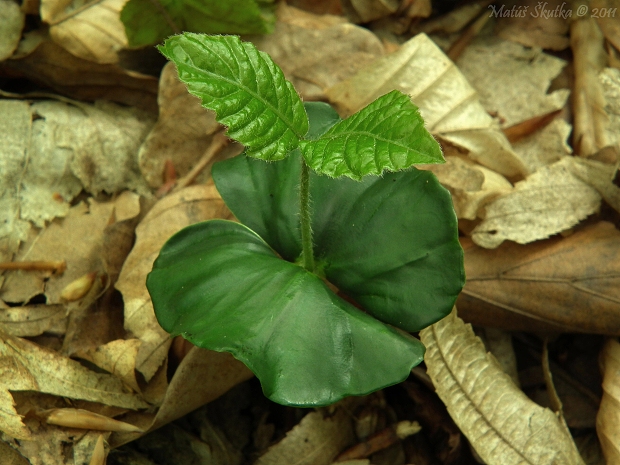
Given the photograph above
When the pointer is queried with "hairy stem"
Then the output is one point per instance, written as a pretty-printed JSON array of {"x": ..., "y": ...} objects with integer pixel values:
[{"x": 304, "y": 211}]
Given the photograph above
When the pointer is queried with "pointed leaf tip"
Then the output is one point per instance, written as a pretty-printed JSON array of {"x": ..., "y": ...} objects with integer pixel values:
[
  {"x": 387, "y": 135},
  {"x": 246, "y": 89}
]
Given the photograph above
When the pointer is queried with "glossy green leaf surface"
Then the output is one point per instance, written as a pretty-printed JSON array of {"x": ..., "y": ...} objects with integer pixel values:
[
  {"x": 222, "y": 287},
  {"x": 387, "y": 135},
  {"x": 390, "y": 243},
  {"x": 245, "y": 88},
  {"x": 149, "y": 22}
]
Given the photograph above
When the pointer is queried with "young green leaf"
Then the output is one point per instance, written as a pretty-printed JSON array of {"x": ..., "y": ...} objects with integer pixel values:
[
  {"x": 387, "y": 135},
  {"x": 246, "y": 89},
  {"x": 391, "y": 243},
  {"x": 148, "y": 22},
  {"x": 222, "y": 287}
]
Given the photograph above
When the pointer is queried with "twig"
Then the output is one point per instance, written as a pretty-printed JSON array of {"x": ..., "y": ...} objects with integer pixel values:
[
  {"x": 219, "y": 142},
  {"x": 55, "y": 267}
]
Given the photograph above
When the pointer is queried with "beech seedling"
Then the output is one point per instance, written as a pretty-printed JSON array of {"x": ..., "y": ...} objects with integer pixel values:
[{"x": 342, "y": 247}]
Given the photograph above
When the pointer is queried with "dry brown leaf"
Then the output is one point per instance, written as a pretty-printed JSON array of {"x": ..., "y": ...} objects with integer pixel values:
[
  {"x": 202, "y": 376},
  {"x": 447, "y": 102},
  {"x": 590, "y": 118},
  {"x": 499, "y": 343},
  {"x": 512, "y": 80},
  {"x": 455, "y": 20},
  {"x": 568, "y": 284},
  {"x": 532, "y": 24},
  {"x": 169, "y": 215},
  {"x": 182, "y": 133},
  {"x": 610, "y": 81},
  {"x": 89, "y": 29},
  {"x": 11, "y": 456},
  {"x": 549, "y": 201},
  {"x": 545, "y": 146},
  {"x": 78, "y": 240},
  {"x": 43, "y": 61},
  {"x": 11, "y": 24},
  {"x": 607, "y": 420},
  {"x": 363, "y": 11},
  {"x": 118, "y": 358},
  {"x": 33, "y": 320},
  {"x": 472, "y": 186},
  {"x": 600, "y": 176},
  {"x": 28, "y": 367},
  {"x": 316, "y": 440},
  {"x": 316, "y": 52},
  {"x": 501, "y": 423},
  {"x": 607, "y": 18}
]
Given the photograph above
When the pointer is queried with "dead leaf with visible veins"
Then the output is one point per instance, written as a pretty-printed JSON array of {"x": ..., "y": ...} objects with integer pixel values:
[
  {"x": 448, "y": 104},
  {"x": 316, "y": 440},
  {"x": 316, "y": 52},
  {"x": 549, "y": 201},
  {"x": 501, "y": 423},
  {"x": 11, "y": 24},
  {"x": 28, "y": 367},
  {"x": 512, "y": 83},
  {"x": 182, "y": 133},
  {"x": 566, "y": 284},
  {"x": 169, "y": 215},
  {"x": 89, "y": 29},
  {"x": 33, "y": 320},
  {"x": 43, "y": 61},
  {"x": 472, "y": 186},
  {"x": 607, "y": 424}
]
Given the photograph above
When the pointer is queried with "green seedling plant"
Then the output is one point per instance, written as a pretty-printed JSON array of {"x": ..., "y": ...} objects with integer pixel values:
[{"x": 342, "y": 247}]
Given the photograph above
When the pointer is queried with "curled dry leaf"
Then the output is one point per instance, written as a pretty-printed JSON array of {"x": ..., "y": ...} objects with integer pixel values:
[
  {"x": 501, "y": 423},
  {"x": 41, "y": 60},
  {"x": 99, "y": 453},
  {"x": 169, "y": 215},
  {"x": 590, "y": 118},
  {"x": 472, "y": 186},
  {"x": 89, "y": 29},
  {"x": 607, "y": 424},
  {"x": 182, "y": 133},
  {"x": 316, "y": 440},
  {"x": 28, "y": 367},
  {"x": 202, "y": 376},
  {"x": 448, "y": 104},
  {"x": 118, "y": 358},
  {"x": 567, "y": 284},
  {"x": 11, "y": 24},
  {"x": 316, "y": 52},
  {"x": 549, "y": 201}
]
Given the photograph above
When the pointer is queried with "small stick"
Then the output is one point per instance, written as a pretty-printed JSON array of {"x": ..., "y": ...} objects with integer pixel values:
[
  {"x": 55, "y": 267},
  {"x": 219, "y": 142}
]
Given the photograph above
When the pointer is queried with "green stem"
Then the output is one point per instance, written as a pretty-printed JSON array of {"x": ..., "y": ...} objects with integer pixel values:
[{"x": 304, "y": 212}]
